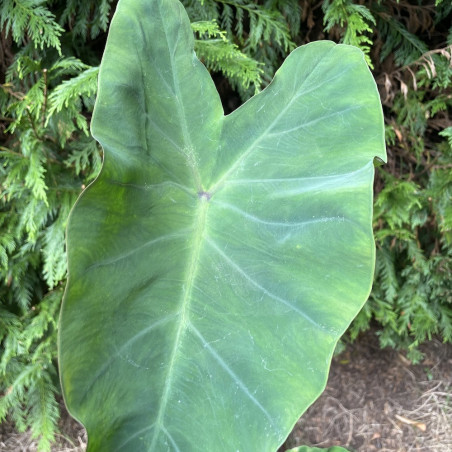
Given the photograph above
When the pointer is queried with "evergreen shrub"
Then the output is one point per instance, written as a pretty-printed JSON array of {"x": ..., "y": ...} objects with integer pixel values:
[{"x": 49, "y": 56}]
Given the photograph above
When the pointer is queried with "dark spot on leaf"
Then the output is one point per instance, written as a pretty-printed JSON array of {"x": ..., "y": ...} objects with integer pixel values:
[{"x": 204, "y": 195}]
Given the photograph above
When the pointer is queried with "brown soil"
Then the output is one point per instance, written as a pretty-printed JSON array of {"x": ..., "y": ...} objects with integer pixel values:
[{"x": 376, "y": 400}]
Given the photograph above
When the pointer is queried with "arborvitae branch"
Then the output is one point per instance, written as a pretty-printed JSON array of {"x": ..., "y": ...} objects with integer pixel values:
[{"x": 30, "y": 18}]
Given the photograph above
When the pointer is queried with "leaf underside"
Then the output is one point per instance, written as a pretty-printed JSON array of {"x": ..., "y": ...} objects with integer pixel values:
[{"x": 216, "y": 260}]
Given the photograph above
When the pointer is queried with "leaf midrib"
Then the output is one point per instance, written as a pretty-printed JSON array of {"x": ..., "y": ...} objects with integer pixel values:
[{"x": 197, "y": 238}]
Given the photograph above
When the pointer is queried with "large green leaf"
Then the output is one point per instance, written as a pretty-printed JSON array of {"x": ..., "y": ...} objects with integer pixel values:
[{"x": 216, "y": 260}]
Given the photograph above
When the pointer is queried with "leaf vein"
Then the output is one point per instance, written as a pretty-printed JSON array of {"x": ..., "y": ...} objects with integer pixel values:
[
  {"x": 230, "y": 372},
  {"x": 334, "y": 177},
  {"x": 182, "y": 233},
  {"x": 171, "y": 439},
  {"x": 287, "y": 224},
  {"x": 149, "y": 187},
  {"x": 313, "y": 121},
  {"x": 118, "y": 351},
  {"x": 239, "y": 270},
  {"x": 130, "y": 438}
]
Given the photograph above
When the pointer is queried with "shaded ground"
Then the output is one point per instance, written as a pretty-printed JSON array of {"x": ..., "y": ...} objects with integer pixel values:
[{"x": 375, "y": 401}]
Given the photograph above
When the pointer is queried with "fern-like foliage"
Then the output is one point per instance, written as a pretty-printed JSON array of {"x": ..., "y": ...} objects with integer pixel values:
[
  {"x": 261, "y": 31},
  {"x": 28, "y": 371},
  {"x": 73, "y": 94},
  {"x": 219, "y": 54},
  {"x": 355, "y": 21},
  {"x": 30, "y": 18},
  {"x": 396, "y": 39},
  {"x": 45, "y": 103},
  {"x": 85, "y": 18},
  {"x": 265, "y": 23}
]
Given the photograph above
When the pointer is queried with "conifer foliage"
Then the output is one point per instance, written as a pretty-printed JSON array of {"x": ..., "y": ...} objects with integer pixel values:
[
  {"x": 48, "y": 86},
  {"x": 49, "y": 57}
]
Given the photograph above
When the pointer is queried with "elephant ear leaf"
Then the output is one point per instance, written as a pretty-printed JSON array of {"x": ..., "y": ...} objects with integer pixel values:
[{"x": 216, "y": 260}]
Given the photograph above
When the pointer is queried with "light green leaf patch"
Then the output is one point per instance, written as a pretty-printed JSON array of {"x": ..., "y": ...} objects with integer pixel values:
[{"x": 216, "y": 260}]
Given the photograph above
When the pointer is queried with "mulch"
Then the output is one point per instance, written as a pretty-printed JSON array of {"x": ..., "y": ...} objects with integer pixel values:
[{"x": 377, "y": 400}]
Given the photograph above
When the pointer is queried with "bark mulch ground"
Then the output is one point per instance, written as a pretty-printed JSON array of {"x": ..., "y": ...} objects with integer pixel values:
[{"x": 375, "y": 400}]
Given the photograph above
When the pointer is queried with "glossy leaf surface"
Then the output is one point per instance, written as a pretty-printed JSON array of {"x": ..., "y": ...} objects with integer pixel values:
[{"x": 216, "y": 260}]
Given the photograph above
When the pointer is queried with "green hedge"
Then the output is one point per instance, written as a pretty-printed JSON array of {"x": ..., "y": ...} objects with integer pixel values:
[{"x": 49, "y": 56}]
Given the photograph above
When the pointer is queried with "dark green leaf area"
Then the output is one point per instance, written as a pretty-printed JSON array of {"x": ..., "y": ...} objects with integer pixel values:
[{"x": 216, "y": 260}]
